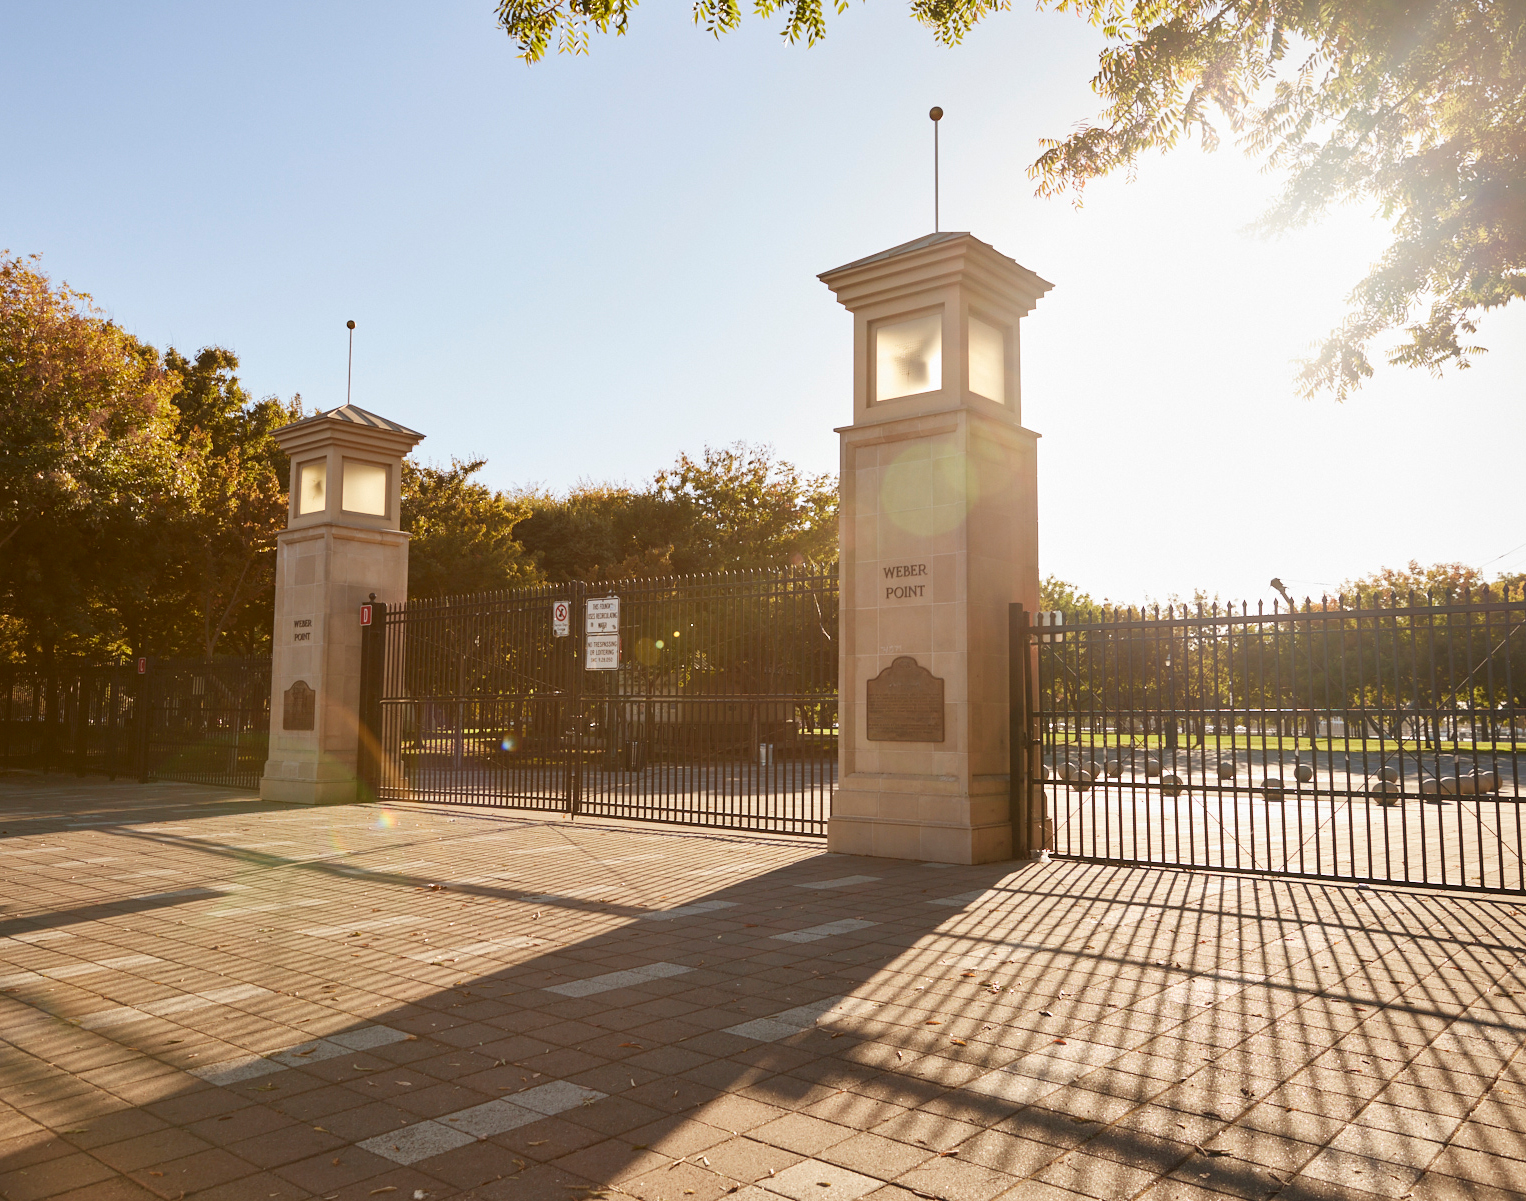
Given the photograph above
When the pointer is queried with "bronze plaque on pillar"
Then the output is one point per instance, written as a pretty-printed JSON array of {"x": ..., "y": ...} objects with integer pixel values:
[
  {"x": 905, "y": 704},
  {"x": 297, "y": 707}
]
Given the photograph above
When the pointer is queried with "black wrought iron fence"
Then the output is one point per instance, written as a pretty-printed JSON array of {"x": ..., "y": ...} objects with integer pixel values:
[
  {"x": 1372, "y": 741},
  {"x": 721, "y": 709},
  {"x": 158, "y": 719}
]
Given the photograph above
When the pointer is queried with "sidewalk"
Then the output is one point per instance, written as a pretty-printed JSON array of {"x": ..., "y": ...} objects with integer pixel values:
[{"x": 208, "y": 997}]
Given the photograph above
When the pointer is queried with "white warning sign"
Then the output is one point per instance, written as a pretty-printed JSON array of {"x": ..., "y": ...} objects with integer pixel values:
[
  {"x": 603, "y": 652},
  {"x": 601, "y": 615}
]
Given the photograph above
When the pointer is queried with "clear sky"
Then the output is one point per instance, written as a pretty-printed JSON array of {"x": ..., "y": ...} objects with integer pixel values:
[{"x": 579, "y": 269}]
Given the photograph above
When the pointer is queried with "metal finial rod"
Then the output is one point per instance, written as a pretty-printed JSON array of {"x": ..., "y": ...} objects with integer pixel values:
[
  {"x": 936, "y": 114},
  {"x": 349, "y": 371}
]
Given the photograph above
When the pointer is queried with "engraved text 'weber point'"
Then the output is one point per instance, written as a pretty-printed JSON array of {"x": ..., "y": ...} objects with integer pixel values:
[{"x": 905, "y": 571}]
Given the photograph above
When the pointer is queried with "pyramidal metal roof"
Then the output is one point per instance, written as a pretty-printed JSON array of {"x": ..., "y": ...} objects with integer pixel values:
[
  {"x": 355, "y": 415},
  {"x": 921, "y": 243}
]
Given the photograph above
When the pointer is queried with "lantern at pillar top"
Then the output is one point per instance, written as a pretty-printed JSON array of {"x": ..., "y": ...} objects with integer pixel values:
[
  {"x": 935, "y": 327},
  {"x": 346, "y": 468}
]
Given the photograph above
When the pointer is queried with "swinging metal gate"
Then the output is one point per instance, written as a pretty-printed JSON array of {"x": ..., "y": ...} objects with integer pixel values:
[
  {"x": 1370, "y": 742},
  {"x": 722, "y": 712}
]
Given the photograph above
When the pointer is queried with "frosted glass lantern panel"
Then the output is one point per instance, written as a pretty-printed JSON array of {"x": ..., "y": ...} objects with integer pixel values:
[
  {"x": 312, "y": 494},
  {"x": 988, "y": 361},
  {"x": 908, "y": 357},
  {"x": 365, "y": 488}
]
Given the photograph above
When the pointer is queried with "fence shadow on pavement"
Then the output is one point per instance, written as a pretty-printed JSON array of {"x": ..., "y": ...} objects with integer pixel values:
[{"x": 589, "y": 1006}]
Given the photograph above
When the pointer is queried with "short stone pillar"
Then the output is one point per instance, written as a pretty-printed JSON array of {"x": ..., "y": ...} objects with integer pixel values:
[
  {"x": 341, "y": 545},
  {"x": 938, "y": 534}
]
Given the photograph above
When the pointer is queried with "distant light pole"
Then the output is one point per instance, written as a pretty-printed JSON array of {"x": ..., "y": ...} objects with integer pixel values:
[{"x": 349, "y": 373}]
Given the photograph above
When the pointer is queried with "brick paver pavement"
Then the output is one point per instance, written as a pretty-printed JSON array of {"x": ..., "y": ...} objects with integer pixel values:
[{"x": 208, "y": 997}]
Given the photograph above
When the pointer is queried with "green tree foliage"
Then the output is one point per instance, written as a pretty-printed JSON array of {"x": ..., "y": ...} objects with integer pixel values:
[
  {"x": 1058, "y": 594},
  {"x": 223, "y": 554},
  {"x": 599, "y": 532},
  {"x": 463, "y": 532},
  {"x": 140, "y": 494},
  {"x": 741, "y": 507},
  {"x": 734, "y": 508},
  {"x": 1417, "y": 107},
  {"x": 86, "y": 447},
  {"x": 1442, "y": 583}
]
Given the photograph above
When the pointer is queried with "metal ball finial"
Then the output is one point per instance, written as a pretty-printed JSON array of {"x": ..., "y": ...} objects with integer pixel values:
[
  {"x": 935, "y": 113},
  {"x": 349, "y": 325}
]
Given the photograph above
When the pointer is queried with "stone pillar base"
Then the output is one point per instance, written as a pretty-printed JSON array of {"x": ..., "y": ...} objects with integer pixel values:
[
  {"x": 886, "y": 838},
  {"x": 308, "y": 792},
  {"x": 895, "y": 818}
]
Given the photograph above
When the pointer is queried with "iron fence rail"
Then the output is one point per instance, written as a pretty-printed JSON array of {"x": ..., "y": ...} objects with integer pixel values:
[
  {"x": 722, "y": 711},
  {"x": 196, "y": 721},
  {"x": 1372, "y": 742}
]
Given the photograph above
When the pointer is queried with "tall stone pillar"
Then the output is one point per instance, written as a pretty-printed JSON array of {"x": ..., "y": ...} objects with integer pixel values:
[
  {"x": 341, "y": 545},
  {"x": 938, "y": 535}
]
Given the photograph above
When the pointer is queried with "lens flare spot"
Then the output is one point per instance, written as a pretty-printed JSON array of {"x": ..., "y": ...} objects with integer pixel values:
[
  {"x": 926, "y": 495},
  {"x": 658, "y": 644},
  {"x": 646, "y": 652},
  {"x": 509, "y": 742}
]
